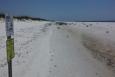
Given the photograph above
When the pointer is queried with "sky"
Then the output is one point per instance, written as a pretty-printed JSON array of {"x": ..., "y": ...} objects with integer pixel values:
[{"x": 62, "y": 10}]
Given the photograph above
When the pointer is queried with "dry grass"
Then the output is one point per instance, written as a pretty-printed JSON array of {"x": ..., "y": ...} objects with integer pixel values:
[{"x": 102, "y": 50}]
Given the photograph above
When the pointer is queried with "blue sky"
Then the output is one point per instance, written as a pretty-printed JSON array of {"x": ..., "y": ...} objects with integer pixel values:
[{"x": 68, "y": 10}]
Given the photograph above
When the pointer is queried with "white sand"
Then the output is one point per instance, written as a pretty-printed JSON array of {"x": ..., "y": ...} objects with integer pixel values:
[{"x": 45, "y": 51}]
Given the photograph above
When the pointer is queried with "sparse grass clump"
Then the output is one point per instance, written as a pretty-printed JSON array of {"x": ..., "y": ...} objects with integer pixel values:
[
  {"x": 101, "y": 50},
  {"x": 2, "y": 15}
]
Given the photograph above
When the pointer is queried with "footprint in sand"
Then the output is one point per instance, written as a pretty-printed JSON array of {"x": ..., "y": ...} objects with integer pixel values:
[
  {"x": 67, "y": 36},
  {"x": 51, "y": 59},
  {"x": 55, "y": 66},
  {"x": 52, "y": 55}
]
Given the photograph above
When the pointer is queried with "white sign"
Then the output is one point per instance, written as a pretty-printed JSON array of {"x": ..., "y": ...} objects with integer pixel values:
[{"x": 9, "y": 25}]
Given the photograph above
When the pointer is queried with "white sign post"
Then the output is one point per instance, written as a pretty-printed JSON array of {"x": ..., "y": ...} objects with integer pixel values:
[{"x": 9, "y": 42}]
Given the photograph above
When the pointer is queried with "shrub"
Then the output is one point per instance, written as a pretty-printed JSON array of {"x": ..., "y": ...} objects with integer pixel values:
[{"x": 61, "y": 23}]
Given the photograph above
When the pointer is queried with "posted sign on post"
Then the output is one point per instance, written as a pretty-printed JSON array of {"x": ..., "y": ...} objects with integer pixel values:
[
  {"x": 10, "y": 39},
  {"x": 9, "y": 42}
]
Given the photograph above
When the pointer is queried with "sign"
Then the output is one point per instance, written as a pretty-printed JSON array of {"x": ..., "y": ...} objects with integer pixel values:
[
  {"x": 9, "y": 42},
  {"x": 9, "y": 25},
  {"x": 10, "y": 49}
]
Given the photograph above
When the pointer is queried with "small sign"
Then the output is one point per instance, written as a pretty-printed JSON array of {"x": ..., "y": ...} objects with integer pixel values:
[
  {"x": 10, "y": 49},
  {"x": 9, "y": 25}
]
